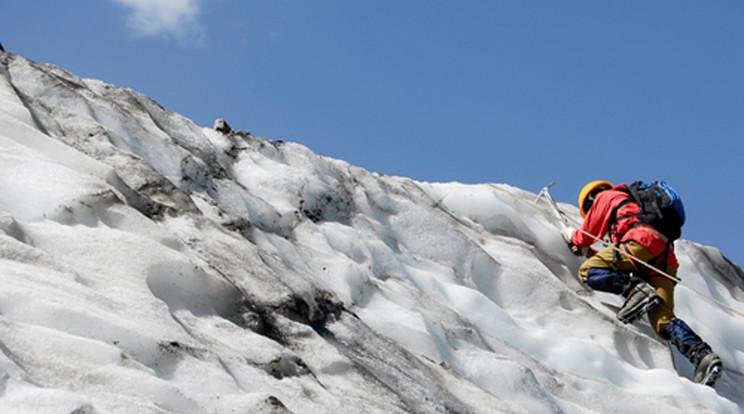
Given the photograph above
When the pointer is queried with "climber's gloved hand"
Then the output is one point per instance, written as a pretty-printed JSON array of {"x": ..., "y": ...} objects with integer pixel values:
[{"x": 567, "y": 234}]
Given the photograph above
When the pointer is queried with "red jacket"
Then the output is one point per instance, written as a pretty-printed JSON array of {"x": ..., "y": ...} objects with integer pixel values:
[{"x": 597, "y": 223}]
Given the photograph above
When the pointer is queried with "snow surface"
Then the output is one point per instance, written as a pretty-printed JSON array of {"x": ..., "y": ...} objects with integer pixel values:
[{"x": 150, "y": 265}]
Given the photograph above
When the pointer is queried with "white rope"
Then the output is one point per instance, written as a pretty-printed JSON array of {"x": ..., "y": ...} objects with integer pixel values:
[{"x": 563, "y": 218}]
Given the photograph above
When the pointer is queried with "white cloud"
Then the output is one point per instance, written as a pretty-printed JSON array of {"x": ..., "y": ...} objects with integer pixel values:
[{"x": 169, "y": 17}]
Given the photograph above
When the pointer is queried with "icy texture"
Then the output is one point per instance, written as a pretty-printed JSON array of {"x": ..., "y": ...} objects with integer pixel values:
[{"x": 149, "y": 265}]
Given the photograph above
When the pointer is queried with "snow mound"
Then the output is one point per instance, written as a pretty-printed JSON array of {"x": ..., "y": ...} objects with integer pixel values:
[{"x": 151, "y": 265}]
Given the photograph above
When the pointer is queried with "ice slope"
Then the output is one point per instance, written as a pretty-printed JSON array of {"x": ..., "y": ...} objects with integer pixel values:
[{"x": 150, "y": 265}]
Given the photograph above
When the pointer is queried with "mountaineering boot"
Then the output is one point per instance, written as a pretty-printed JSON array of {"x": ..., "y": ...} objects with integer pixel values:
[
  {"x": 641, "y": 298},
  {"x": 708, "y": 367}
]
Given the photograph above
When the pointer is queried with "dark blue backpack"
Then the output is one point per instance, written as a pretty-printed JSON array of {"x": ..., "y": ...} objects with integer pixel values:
[{"x": 661, "y": 207}]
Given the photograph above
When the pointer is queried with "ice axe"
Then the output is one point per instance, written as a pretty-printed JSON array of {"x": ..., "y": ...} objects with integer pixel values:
[
  {"x": 564, "y": 221},
  {"x": 546, "y": 194}
]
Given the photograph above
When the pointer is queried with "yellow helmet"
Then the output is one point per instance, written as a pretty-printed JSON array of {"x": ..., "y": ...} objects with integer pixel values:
[{"x": 586, "y": 197}]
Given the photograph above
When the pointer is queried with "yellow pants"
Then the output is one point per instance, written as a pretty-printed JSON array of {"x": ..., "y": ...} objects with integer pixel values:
[{"x": 662, "y": 314}]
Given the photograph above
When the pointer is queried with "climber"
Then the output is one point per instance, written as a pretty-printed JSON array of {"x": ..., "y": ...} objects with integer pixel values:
[{"x": 616, "y": 211}]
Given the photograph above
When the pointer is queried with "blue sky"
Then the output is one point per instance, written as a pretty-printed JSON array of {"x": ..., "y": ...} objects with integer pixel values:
[{"x": 519, "y": 92}]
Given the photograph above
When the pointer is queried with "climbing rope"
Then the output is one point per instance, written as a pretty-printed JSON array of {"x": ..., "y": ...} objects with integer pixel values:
[{"x": 567, "y": 221}]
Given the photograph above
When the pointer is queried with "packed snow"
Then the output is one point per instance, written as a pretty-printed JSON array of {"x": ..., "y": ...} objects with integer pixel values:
[{"x": 151, "y": 265}]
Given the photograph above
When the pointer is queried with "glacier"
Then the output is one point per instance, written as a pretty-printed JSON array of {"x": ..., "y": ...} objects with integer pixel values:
[{"x": 151, "y": 265}]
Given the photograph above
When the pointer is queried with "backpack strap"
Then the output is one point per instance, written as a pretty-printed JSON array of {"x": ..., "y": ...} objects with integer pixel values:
[
  {"x": 614, "y": 218},
  {"x": 650, "y": 229},
  {"x": 613, "y": 229}
]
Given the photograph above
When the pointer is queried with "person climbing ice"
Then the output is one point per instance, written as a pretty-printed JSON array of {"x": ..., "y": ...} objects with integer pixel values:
[{"x": 642, "y": 221}]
